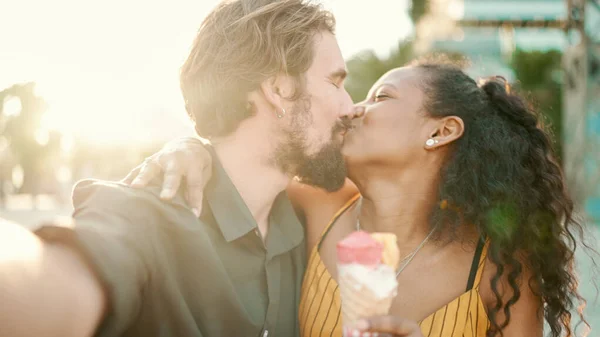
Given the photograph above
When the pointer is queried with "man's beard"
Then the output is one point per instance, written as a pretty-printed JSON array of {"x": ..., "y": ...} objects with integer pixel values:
[{"x": 325, "y": 168}]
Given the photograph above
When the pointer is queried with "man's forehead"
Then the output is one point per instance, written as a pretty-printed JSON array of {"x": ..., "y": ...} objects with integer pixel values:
[{"x": 327, "y": 54}]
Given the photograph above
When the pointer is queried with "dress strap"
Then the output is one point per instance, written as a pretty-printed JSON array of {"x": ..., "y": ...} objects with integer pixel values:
[
  {"x": 478, "y": 264},
  {"x": 339, "y": 213},
  {"x": 482, "y": 264}
]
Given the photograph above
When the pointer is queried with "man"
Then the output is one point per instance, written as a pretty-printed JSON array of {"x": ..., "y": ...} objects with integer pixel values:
[{"x": 264, "y": 82}]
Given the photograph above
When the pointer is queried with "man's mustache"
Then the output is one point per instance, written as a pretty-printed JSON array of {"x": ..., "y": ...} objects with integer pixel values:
[{"x": 342, "y": 125}]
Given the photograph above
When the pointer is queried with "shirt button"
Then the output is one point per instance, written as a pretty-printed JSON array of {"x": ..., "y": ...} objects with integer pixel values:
[{"x": 266, "y": 333}]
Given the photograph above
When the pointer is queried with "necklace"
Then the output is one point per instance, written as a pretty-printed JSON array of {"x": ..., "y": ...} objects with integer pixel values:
[{"x": 410, "y": 256}]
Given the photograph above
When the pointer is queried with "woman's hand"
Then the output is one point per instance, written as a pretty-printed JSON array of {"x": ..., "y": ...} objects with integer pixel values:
[
  {"x": 380, "y": 326},
  {"x": 185, "y": 157}
]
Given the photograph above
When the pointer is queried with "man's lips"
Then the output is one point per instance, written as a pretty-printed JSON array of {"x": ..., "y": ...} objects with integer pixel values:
[
  {"x": 346, "y": 130},
  {"x": 350, "y": 127},
  {"x": 345, "y": 126}
]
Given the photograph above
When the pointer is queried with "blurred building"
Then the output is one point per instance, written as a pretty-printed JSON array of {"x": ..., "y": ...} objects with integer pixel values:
[
  {"x": 479, "y": 30},
  {"x": 490, "y": 48}
]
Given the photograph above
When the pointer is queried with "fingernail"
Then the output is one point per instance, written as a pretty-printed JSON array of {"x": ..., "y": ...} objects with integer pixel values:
[
  {"x": 136, "y": 183},
  {"x": 165, "y": 194},
  {"x": 361, "y": 324},
  {"x": 196, "y": 212}
]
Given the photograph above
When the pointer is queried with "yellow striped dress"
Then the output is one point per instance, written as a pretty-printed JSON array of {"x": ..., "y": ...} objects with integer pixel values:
[{"x": 320, "y": 305}]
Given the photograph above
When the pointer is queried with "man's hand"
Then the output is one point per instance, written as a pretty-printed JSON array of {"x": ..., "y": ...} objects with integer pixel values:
[
  {"x": 185, "y": 157},
  {"x": 386, "y": 326}
]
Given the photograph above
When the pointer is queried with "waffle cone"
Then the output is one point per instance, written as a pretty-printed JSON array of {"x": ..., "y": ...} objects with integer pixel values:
[{"x": 360, "y": 302}]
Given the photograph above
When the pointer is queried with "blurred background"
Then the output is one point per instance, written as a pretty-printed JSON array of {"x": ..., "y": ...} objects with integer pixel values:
[{"x": 89, "y": 89}]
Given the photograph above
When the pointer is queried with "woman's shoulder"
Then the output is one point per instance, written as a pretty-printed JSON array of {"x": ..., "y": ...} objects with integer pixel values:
[
  {"x": 319, "y": 207},
  {"x": 314, "y": 201}
]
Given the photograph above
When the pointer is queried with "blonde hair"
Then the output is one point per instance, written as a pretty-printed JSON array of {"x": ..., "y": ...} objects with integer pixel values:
[{"x": 238, "y": 46}]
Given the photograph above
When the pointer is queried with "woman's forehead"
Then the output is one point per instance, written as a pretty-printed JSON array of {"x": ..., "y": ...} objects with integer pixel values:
[{"x": 398, "y": 78}]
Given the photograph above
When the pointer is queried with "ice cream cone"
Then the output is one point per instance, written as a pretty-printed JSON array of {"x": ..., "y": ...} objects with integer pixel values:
[
  {"x": 358, "y": 301},
  {"x": 366, "y": 276}
]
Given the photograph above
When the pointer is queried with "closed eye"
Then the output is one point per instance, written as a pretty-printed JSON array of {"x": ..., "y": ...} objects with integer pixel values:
[
  {"x": 380, "y": 97},
  {"x": 337, "y": 77}
]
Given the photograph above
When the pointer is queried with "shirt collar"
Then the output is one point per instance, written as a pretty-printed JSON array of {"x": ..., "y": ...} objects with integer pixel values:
[
  {"x": 235, "y": 219},
  {"x": 285, "y": 230}
]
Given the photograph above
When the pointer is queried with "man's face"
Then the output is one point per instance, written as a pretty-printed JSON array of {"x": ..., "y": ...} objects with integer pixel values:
[{"x": 312, "y": 145}]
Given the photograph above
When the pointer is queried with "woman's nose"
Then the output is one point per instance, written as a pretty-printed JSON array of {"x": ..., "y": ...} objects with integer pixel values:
[{"x": 358, "y": 111}]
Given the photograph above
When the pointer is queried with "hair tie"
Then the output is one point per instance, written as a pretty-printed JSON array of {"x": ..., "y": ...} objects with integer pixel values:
[
  {"x": 444, "y": 204},
  {"x": 504, "y": 82}
]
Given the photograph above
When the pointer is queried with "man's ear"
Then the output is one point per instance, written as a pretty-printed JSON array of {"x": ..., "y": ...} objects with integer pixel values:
[
  {"x": 276, "y": 90},
  {"x": 448, "y": 130}
]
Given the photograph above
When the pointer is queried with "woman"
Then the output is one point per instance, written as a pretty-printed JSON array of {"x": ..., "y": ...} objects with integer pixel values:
[{"x": 465, "y": 176}]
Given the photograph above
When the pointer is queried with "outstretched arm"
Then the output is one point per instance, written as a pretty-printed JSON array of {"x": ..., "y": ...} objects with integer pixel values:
[{"x": 45, "y": 289}]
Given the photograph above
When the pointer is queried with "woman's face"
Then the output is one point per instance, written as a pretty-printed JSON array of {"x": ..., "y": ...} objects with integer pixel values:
[{"x": 394, "y": 128}]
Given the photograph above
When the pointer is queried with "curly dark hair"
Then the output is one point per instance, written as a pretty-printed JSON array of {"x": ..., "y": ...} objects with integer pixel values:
[{"x": 502, "y": 177}]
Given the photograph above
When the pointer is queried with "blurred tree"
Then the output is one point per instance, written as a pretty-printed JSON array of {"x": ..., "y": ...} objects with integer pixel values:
[
  {"x": 418, "y": 9},
  {"x": 539, "y": 76},
  {"x": 21, "y": 129},
  {"x": 366, "y": 67}
]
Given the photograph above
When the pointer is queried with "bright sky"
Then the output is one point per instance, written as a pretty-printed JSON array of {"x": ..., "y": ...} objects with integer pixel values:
[{"x": 109, "y": 69}]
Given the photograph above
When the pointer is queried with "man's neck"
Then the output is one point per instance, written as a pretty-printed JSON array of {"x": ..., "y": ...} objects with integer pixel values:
[{"x": 257, "y": 181}]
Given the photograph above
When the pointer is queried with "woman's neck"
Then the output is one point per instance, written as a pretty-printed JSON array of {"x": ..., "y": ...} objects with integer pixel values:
[{"x": 397, "y": 203}]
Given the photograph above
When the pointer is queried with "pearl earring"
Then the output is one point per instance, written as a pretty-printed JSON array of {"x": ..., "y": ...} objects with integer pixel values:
[
  {"x": 431, "y": 142},
  {"x": 282, "y": 113}
]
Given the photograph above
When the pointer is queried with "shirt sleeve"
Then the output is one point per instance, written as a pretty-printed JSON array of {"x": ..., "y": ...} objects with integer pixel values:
[{"x": 112, "y": 229}]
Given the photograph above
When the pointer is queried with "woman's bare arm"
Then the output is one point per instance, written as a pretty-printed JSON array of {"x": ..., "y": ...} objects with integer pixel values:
[
  {"x": 526, "y": 315},
  {"x": 318, "y": 206},
  {"x": 188, "y": 158}
]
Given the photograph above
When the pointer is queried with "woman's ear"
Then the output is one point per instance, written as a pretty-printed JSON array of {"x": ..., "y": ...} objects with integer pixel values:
[{"x": 448, "y": 130}]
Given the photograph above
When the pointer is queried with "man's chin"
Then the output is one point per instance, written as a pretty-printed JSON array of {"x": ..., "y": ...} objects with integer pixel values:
[
  {"x": 331, "y": 187},
  {"x": 339, "y": 138},
  {"x": 326, "y": 169}
]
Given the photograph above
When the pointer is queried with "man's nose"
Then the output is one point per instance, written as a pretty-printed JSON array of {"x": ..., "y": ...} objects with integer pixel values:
[{"x": 347, "y": 112}]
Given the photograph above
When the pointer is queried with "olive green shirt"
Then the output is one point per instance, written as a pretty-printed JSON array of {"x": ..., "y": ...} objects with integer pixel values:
[{"x": 168, "y": 273}]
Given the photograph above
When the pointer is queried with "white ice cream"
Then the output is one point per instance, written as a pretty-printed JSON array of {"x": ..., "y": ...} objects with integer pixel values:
[{"x": 380, "y": 280}]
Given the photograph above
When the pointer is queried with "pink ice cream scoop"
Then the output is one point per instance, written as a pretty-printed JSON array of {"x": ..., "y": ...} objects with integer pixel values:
[{"x": 360, "y": 248}]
